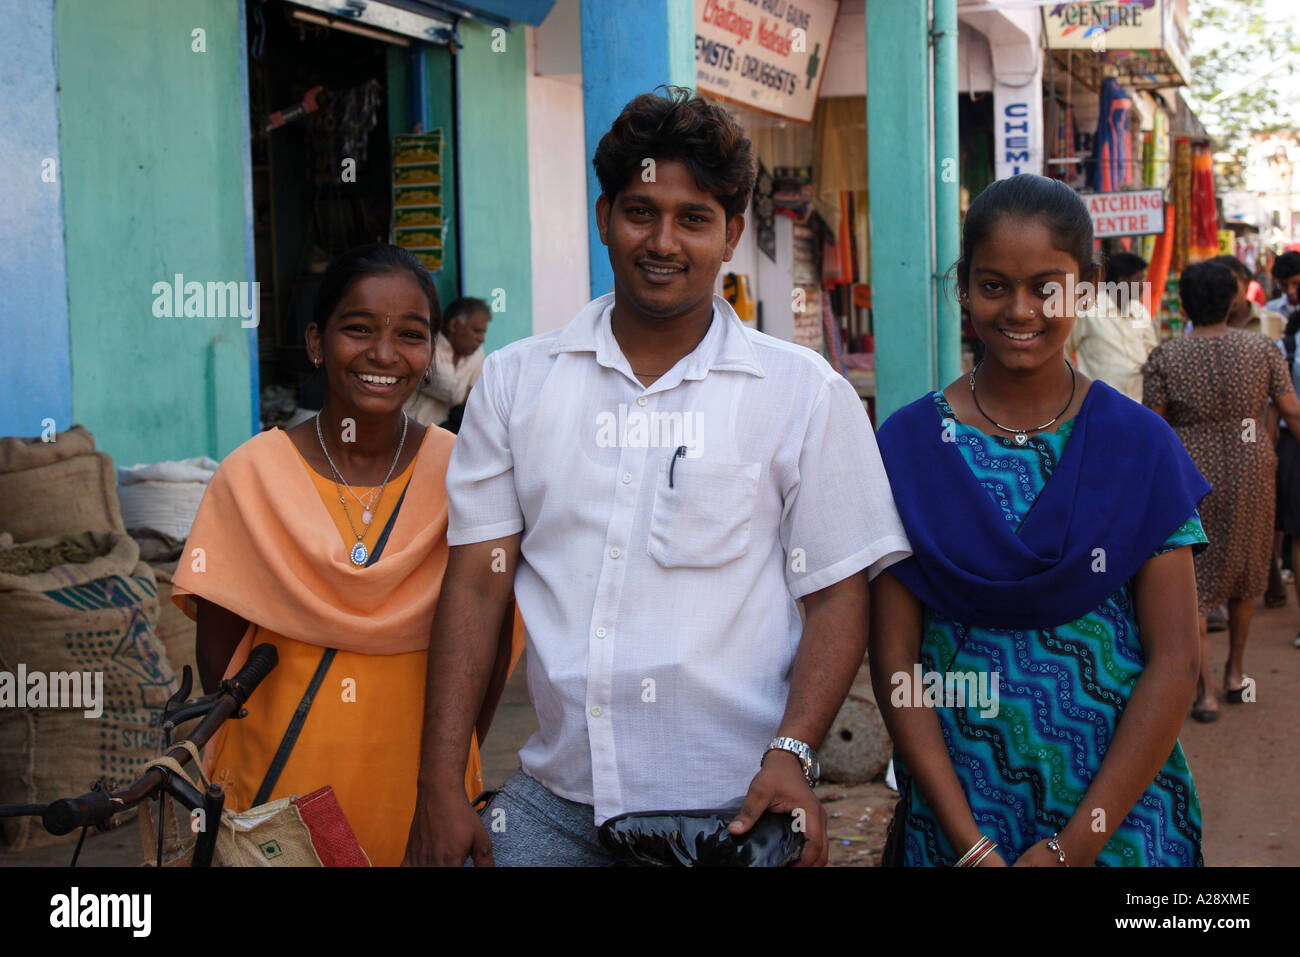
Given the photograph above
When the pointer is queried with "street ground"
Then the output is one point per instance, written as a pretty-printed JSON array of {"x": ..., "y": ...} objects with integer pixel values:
[{"x": 1246, "y": 767}]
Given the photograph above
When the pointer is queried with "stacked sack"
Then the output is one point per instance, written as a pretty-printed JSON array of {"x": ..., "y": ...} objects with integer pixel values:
[
  {"x": 159, "y": 502},
  {"x": 78, "y": 619}
]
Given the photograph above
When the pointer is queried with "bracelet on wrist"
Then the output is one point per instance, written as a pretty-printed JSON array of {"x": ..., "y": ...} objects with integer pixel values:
[
  {"x": 1055, "y": 845},
  {"x": 978, "y": 851}
]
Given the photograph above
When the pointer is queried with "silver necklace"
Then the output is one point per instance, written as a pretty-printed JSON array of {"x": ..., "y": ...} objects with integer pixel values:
[
  {"x": 1020, "y": 436},
  {"x": 359, "y": 552}
]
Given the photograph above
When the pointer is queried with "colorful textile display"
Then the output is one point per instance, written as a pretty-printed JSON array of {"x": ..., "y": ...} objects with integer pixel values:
[
  {"x": 1182, "y": 203},
  {"x": 1204, "y": 215},
  {"x": 1111, "y": 169}
]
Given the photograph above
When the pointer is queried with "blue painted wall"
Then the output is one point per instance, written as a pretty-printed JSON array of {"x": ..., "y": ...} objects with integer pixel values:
[
  {"x": 35, "y": 365},
  {"x": 628, "y": 47}
]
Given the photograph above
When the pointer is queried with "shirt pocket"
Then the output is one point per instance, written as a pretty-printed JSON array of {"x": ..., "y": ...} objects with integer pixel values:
[{"x": 702, "y": 520}]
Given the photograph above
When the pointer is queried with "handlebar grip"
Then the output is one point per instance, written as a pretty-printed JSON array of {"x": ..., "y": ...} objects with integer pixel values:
[
  {"x": 65, "y": 816},
  {"x": 260, "y": 662}
]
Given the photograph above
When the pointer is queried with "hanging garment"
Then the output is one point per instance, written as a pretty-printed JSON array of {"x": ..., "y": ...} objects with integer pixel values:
[{"x": 1111, "y": 170}]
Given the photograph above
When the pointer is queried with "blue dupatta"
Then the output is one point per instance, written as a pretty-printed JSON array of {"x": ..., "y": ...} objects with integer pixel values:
[{"x": 1123, "y": 485}]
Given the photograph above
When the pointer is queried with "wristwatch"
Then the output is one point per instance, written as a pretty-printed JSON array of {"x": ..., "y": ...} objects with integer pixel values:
[{"x": 807, "y": 757}]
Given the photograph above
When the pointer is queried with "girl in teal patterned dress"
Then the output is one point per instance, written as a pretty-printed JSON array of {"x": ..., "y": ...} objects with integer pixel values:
[
  {"x": 1034, "y": 657},
  {"x": 1061, "y": 693}
]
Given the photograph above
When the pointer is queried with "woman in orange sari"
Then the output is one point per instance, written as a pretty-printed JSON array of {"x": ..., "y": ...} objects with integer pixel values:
[{"x": 329, "y": 541}]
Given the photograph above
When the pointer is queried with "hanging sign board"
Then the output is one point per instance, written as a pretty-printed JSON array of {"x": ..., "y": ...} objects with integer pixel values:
[
  {"x": 769, "y": 55},
  {"x": 1136, "y": 212},
  {"x": 1142, "y": 38}
]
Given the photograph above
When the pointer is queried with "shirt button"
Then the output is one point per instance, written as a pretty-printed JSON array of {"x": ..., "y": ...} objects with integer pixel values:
[
  {"x": 595, "y": 712},
  {"x": 600, "y": 632},
  {"x": 641, "y": 400},
  {"x": 614, "y": 553},
  {"x": 627, "y": 477}
]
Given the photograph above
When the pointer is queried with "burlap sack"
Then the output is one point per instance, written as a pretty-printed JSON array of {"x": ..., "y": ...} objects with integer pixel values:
[
  {"x": 57, "y": 488},
  {"x": 83, "y": 616}
]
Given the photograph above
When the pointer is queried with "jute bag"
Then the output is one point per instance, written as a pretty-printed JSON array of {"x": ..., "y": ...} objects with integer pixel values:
[
  {"x": 56, "y": 488},
  {"x": 270, "y": 835},
  {"x": 77, "y": 613}
]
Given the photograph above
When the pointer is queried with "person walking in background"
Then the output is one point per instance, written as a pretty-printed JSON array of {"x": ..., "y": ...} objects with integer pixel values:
[
  {"x": 1288, "y": 461},
  {"x": 1213, "y": 386},
  {"x": 1286, "y": 273},
  {"x": 1112, "y": 338},
  {"x": 1053, "y": 522},
  {"x": 1245, "y": 314},
  {"x": 457, "y": 364}
]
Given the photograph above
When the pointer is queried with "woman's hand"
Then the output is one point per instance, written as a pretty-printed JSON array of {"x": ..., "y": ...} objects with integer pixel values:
[{"x": 1040, "y": 855}]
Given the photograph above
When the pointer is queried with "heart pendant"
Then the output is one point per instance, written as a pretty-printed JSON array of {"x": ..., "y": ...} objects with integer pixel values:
[{"x": 1021, "y": 438}]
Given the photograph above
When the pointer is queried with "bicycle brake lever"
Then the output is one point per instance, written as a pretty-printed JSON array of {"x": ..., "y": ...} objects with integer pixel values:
[{"x": 182, "y": 694}]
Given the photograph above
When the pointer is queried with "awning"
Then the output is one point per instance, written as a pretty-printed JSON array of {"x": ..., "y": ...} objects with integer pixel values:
[
  {"x": 501, "y": 13},
  {"x": 434, "y": 22}
]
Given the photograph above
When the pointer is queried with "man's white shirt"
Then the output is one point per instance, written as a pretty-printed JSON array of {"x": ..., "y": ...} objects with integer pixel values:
[{"x": 658, "y": 590}]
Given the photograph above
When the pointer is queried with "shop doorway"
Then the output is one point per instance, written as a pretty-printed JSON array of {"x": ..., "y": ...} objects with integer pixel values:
[{"x": 321, "y": 183}]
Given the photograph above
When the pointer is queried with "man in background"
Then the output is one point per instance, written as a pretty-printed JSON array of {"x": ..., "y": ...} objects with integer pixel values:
[
  {"x": 1243, "y": 313},
  {"x": 1286, "y": 273},
  {"x": 457, "y": 364},
  {"x": 1112, "y": 338}
]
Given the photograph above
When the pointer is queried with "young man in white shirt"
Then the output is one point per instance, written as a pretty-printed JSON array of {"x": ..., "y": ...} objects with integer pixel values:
[
  {"x": 1111, "y": 340},
  {"x": 658, "y": 485}
]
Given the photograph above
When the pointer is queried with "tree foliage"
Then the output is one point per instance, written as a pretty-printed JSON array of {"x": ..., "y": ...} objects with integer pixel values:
[{"x": 1231, "y": 41}]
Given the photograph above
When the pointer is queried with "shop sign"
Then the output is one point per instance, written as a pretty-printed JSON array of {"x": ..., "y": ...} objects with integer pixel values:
[
  {"x": 1156, "y": 27},
  {"x": 768, "y": 55},
  {"x": 1017, "y": 139},
  {"x": 1137, "y": 212},
  {"x": 1125, "y": 24}
]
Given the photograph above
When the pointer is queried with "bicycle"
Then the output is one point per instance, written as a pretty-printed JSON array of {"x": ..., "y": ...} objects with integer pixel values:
[{"x": 99, "y": 806}]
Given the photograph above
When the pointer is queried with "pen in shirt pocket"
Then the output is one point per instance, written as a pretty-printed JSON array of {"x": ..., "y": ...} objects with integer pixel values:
[{"x": 679, "y": 454}]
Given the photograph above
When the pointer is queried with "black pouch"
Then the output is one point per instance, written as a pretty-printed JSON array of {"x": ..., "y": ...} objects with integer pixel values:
[{"x": 700, "y": 839}]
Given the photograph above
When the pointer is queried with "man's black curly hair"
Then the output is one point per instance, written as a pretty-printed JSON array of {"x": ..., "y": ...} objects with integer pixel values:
[{"x": 679, "y": 125}]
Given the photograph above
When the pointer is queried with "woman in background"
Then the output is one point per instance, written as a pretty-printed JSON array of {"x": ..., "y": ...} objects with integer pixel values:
[{"x": 1213, "y": 385}]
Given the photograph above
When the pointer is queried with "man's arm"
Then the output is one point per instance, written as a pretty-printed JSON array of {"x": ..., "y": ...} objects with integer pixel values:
[
  {"x": 830, "y": 653},
  {"x": 462, "y": 651}
]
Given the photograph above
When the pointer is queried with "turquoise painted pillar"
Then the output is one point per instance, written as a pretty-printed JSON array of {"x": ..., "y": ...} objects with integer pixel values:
[
  {"x": 35, "y": 363},
  {"x": 900, "y": 167},
  {"x": 153, "y": 136},
  {"x": 496, "y": 249},
  {"x": 628, "y": 47},
  {"x": 947, "y": 190}
]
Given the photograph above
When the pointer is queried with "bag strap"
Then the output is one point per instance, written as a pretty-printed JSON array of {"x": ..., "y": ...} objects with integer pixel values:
[{"x": 326, "y": 659}]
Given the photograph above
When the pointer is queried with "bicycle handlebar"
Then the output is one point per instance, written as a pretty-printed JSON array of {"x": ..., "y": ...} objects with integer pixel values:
[{"x": 95, "y": 807}]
